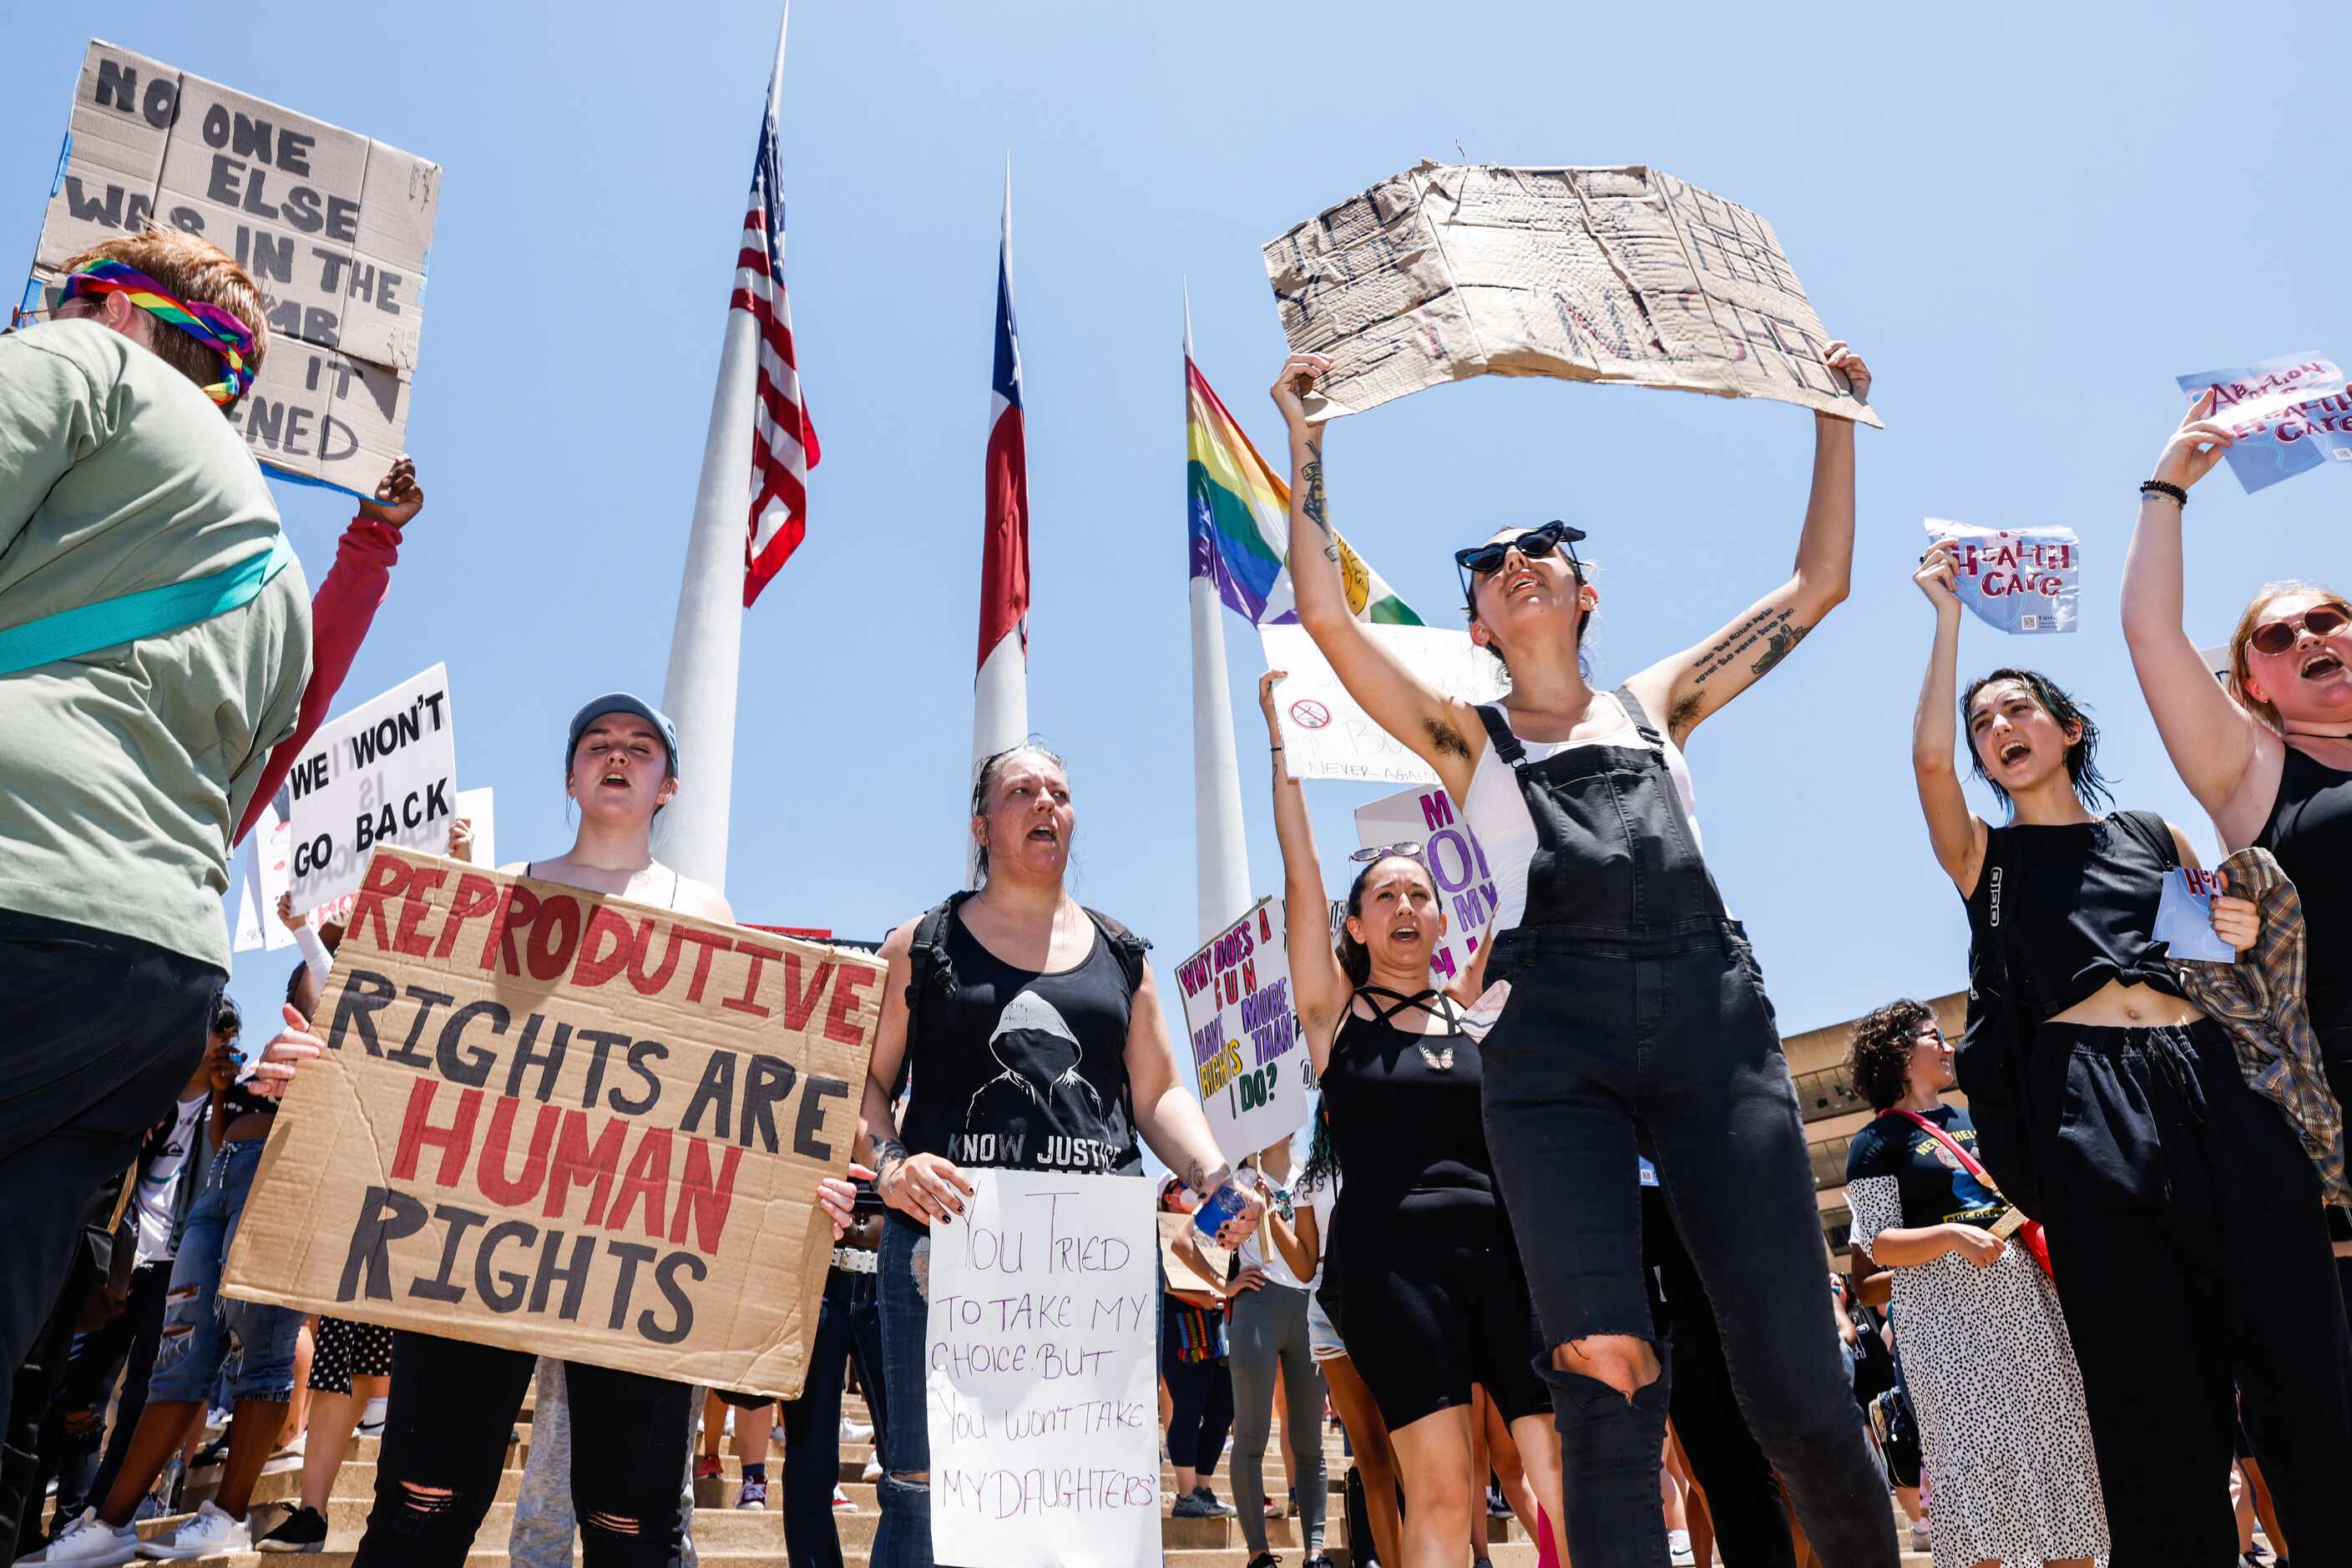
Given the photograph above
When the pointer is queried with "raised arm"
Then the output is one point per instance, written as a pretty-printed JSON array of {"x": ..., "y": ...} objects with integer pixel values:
[
  {"x": 1442, "y": 732},
  {"x": 1957, "y": 833},
  {"x": 1688, "y": 685},
  {"x": 1317, "y": 984},
  {"x": 2214, "y": 742}
]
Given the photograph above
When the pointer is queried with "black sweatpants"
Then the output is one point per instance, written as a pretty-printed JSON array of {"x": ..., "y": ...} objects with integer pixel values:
[
  {"x": 103, "y": 1030},
  {"x": 2190, "y": 1252},
  {"x": 447, "y": 1421},
  {"x": 1199, "y": 1404}
]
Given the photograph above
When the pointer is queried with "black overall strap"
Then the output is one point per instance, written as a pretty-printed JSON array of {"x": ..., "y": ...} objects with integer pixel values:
[
  {"x": 1499, "y": 731},
  {"x": 1639, "y": 717}
]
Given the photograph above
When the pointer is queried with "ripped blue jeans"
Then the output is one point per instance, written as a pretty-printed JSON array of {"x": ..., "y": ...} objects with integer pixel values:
[
  {"x": 203, "y": 1330},
  {"x": 902, "y": 1286}
]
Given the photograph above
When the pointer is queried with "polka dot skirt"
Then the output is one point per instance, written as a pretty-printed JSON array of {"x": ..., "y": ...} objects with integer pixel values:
[{"x": 345, "y": 1349}]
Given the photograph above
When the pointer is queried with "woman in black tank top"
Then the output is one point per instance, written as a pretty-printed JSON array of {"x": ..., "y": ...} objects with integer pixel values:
[
  {"x": 1419, "y": 1273},
  {"x": 2110, "y": 1108},
  {"x": 2267, "y": 751},
  {"x": 1019, "y": 1032}
]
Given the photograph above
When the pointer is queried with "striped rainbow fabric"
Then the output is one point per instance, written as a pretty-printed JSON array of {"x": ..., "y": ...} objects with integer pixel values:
[{"x": 1240, "y": 517}]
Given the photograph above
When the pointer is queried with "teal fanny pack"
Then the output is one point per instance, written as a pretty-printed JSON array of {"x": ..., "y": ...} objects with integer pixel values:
[{"x": 149, "y": 613}]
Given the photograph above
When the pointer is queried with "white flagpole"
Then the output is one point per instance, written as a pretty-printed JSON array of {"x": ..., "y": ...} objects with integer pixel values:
[
  {"x": 707, "y": 639},
  {"x": 1220, "y": 842}
]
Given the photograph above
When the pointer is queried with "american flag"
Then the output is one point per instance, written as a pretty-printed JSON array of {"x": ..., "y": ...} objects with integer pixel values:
[{"x": 784, "y": 443}]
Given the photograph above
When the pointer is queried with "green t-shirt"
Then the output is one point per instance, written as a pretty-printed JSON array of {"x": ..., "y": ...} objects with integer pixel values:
[{"x": 123, "y": 772}]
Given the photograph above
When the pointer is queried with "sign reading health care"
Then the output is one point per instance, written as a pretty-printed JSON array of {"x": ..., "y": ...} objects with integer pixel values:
[
  {"x": 1244, "y": 1028},
  {"x": 2289, "y": 414},
  {"x": 383, "y": 774},
  {"x": 1456, "y": 864},
  {"x": 2019, "y": 580},
  {"x": 1043, "y": 1374}
]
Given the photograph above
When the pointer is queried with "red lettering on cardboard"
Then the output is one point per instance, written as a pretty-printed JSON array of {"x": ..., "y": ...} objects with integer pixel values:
[
  {"x": 418, "y": 1134},
  {"x": 852, "y": 979},
  {"x": 385, "y": 878},
  {"x": 701, "y": 1200}
]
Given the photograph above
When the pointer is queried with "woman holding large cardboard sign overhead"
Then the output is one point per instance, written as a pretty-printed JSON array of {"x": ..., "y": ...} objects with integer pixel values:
[
  {"x": 454, "y": 1402},
  {"x": 1023, "y": 1032},
  {"x": 1635, "y": 1019}
]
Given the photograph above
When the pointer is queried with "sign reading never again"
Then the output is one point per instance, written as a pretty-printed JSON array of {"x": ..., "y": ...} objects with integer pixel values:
[
  {"x": 1626, "y": 274},
  {"x": 565, "y": 1123},
  {"x": 333, "y": 226}
]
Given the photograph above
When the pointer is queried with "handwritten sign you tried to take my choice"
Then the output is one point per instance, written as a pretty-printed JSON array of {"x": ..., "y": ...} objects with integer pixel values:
[
  {"x": 562, "y": 1123},
  {"x": 1043, "y": 1375}
]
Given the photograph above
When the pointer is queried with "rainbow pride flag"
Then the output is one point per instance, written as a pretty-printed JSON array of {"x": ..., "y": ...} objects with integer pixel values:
[{"x": 1240, "y": 514}]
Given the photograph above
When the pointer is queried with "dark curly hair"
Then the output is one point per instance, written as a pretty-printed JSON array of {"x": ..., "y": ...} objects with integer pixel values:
[
  {"x": 2082, "y": 757},
  {"x": 1878, "y": 1067},
  {"x": 1355, "y": 958},
  {"x": 1322, "y": 1167}
]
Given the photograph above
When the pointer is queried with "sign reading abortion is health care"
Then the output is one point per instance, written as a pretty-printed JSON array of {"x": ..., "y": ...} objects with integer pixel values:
[
  {"x": 565, "y": 1123},
  {"x": 335, "y": 227},
  {"x": 385, "y": 773},
  {"x": 2290, "y": 415},
  {"x": 1043, "y": 1378},
  {"x": 1466, "y": 890},
  {"x": 1243, "y": 1027}
]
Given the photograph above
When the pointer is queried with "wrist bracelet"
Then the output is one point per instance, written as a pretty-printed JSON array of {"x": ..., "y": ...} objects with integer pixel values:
[
  {"x": 1274, "y": 748},
  {"x": 2171, "y": 492}
]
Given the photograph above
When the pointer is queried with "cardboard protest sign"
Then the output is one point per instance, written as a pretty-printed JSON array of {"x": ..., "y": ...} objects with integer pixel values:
[
  {"x": 1183, "y": 1274},
  {"x": 566, "y": 1123},
  {"x": 1325, "y": 735},
  {"x": 1465, "y": 887},
  {"x": 1044, "y": 1374},
  {"x": 2017, "y": 580},
  {"x": 2290, "y": 415},
  {"x": 1238, "y": 1012},
  {"x": 384, "y": 773},
  {"x": 1448, "y": 271},
  {"x": 335, "y": 227}
]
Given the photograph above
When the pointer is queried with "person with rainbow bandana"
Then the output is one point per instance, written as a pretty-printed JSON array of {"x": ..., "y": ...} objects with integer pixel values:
[{"x": 155, "y": 643}]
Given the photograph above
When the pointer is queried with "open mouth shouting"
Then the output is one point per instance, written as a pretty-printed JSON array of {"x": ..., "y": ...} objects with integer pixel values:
[
  {"x": 2013, "y": 751},
  {"x": 1044, "y": 833},
  {"x": 2323, "y": 664},
  {"x": 1523, "y": 584}
]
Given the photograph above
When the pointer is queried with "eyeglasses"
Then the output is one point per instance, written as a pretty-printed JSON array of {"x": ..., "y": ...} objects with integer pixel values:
[
  {"x": 1409, "y": 848},
  {"x": 2276, "y": 638},
  {"x": 1484, "y": 560},
  {"x": 51, "y": 296}
]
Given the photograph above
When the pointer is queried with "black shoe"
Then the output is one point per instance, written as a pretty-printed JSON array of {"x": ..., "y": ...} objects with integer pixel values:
[
  {"x": 1265, "y": 1560},
  {"x": 211, "y": 1453},
  {"x": 1496, "y": 1508},
  {"x": 304, "y": 1530}
]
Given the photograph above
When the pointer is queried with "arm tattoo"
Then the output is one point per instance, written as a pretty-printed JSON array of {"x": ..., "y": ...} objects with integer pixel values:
[
  {"x": 1770, "y": 634},
  {"x": 889, "y": 1150},
  {"x": 1785, "y": 636},
  {"x": 1313, "y": 505}
]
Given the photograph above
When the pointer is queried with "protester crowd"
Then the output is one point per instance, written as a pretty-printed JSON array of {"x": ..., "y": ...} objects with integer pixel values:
[{"x": 1550, "y": 1250}]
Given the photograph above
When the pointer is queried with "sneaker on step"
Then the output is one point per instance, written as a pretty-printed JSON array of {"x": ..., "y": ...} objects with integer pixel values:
[
  {"x": 89, "y": 1539},
  {"x": 708, "y": 1468},
  {"x": 856, "y": 1431},
  {"x": 841, "y": 1503},
  {"x": 1496, "y": 1505},
  {"x": 872, "y": 1472},
  {"x": 1678, "y": 1548},
  {"x": 208, "y": 1532},
  {"x": 754, "y": 1493},
  {"x": 1218, "y": 1507},
  {"x": 304, "y": 1530},
  {"x": 372, "y": 1418},
  {"x": 1190, "y": 1506},
  {"x": 1919, "y": 1538}
]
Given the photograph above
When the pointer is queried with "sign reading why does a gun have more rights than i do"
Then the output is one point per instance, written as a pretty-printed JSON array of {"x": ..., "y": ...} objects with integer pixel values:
[
  {"x": 333, "y": 226},
  {"x": 560, "y": 1122},
  {"x": 1628, "y": 274},
  {"x": 1252, "y": 1076}
]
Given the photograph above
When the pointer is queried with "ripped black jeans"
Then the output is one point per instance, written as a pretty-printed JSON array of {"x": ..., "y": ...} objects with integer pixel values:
[
  {"x": 1663, "y": 1044},
  {"x": 447, "y": 1421}
]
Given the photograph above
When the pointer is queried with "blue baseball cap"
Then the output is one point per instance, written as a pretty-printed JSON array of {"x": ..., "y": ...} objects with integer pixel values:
[{"x": 621, "y": 702}]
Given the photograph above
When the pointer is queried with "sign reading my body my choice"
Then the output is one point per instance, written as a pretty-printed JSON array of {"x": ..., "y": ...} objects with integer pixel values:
[
  {"x": 1043, "y": 1374},
  {"x": 334, "y": 227},
  {"x": 565, "y": 1123}
]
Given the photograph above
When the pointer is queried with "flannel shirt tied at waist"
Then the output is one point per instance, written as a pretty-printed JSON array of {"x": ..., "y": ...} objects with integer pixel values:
[{"x": 2260, "y": 1001}]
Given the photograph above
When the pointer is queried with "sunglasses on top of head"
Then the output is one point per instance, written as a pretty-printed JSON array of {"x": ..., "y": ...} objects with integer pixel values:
[
  {"x": 2320, "y": 620},
  {"x": 1485, "y": 559},
  {"x": 1410, "y": 850}
]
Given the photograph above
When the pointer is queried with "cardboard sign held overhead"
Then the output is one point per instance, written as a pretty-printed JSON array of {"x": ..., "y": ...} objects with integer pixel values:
[
  {"x": 1448, "y": 271},
  {"x": 335, "y": 227},
  {"x": 1247, "y": 1063},
  {"x": 565, "y": 1123},
  {"x": 384, "y": 773}
]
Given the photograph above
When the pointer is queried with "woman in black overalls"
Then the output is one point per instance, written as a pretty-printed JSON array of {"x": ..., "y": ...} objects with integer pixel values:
[{"x": 1636, "y": 1021}]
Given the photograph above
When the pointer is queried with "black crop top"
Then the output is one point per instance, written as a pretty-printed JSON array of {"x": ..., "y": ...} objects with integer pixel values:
[
  {"x": 2078, "y": 906},
  {"x": 2310, "y": 831},
  {"x": 1405, "y": 1117}
]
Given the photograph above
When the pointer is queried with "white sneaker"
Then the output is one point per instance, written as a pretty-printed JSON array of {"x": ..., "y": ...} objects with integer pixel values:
[
  {"x": 872, "y": 1472},
  {"x": 852, "y": 1432},
  {"x": 841, "y": 1503},
  {"x": 1678, "y": 1546},
  {"x": 209, "y": 1532},
  {"x": 372, "y": 1418},
  {"x": 89, "y": 1539}
]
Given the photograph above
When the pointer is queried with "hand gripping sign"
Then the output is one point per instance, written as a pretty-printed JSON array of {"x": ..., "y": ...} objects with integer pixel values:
[
  {"x": 2017, "y": 580},
  {"x": 565, "y": 1123},
  {"x": 1244, "y": 1028},
  {"x": 2289, "y": 414}
]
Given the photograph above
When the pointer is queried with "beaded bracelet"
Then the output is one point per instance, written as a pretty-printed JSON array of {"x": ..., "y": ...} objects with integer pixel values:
[{"x": 2171, "y": 492}]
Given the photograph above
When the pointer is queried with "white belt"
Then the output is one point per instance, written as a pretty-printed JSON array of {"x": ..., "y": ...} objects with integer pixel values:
[{"x": 854, "y": 1259}]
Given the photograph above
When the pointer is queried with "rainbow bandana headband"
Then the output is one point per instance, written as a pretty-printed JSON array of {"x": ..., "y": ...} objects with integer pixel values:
[{"x": 210, "y": 325}]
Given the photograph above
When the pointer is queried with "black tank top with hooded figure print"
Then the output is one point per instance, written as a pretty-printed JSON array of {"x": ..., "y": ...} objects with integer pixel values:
[{"x": 1020, "y": 1070}]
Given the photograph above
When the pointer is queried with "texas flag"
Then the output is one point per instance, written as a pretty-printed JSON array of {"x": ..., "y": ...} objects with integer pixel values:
[{"x": 1001, "y": 688}]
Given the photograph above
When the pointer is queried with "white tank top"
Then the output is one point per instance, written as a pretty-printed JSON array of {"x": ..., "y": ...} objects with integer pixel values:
[{"x": 1497, "y": 813}]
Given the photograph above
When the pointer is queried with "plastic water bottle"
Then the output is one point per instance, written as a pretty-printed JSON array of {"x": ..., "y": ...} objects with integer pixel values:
[{"x": 1223, "y": 1205}]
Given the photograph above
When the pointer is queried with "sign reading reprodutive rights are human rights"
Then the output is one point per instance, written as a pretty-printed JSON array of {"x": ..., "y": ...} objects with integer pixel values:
[{"x": 335, "y": 228}]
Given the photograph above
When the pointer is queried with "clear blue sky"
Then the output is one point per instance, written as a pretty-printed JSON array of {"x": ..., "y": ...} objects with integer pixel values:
[{"x": 2029, "y": 227}]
